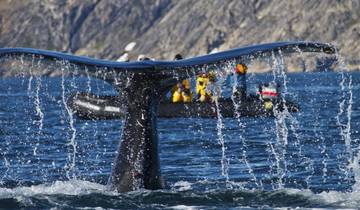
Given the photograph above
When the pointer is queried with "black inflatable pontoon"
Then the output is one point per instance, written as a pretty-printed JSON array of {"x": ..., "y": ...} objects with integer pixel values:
[{"x": 90, "y": 106}]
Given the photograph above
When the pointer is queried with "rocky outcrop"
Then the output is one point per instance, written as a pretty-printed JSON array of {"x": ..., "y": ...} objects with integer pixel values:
[{"x": 162, "y": 28}]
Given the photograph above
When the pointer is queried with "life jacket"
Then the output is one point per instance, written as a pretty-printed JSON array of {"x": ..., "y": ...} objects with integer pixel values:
[
  {"x": 181, "y": 92},
  {"x": 241, "y": 68},
  {"x": 202, "y": 82},
  {"x": 268, "y": 105},
  {"x": 176, "y": 96},
  {"x": 186, "y": 93},
  {"x": 186, "y": 96}
]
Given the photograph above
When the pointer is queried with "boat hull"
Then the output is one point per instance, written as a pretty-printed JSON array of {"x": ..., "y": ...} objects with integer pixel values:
[{"x": 89, "y": 106}]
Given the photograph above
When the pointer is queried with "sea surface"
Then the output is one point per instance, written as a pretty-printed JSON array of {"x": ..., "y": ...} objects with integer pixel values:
[{"x": 49, "y": 158}]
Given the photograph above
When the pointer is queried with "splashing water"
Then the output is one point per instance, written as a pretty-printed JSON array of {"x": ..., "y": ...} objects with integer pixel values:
[
  {"x": 242, "y": 128},
  {"x": 268, "y": 152},
  {"x": 38, "y": 110},
  {"x": 220, "y": 125},
  {"x": 346, "y": 88},
  {"x": 72, "y": 142},
  {"x": 279, "y": 149}
]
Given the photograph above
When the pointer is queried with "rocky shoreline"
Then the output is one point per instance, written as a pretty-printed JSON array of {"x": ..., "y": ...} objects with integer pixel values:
[{"x": 163, "y": 28}]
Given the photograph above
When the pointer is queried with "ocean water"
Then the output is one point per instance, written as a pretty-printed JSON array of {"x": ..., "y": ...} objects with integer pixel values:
[{"x": 52, "y": 159}]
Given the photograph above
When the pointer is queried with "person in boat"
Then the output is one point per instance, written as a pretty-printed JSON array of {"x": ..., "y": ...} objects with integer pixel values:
[
  {"x": 143, "y": 58},
  {"x": 268, "y": 92},
  {"x": 181, "y": 92},
  {"x": 178, "y": 57},
  {"x": 204, "y": 83},
  {"x": 239, "y": 92}
]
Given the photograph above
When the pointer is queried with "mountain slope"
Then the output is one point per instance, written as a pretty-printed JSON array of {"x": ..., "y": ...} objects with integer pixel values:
[{"x": 162, "y": 28}]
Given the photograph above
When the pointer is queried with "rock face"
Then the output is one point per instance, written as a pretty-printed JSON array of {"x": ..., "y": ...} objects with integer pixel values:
[{"x": 162, "y": 28}]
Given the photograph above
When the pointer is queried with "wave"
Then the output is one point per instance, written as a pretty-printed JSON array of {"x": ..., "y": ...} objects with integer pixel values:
[
  {"x": 72, "y": 187},
  {"x": 78, "y": 194}
]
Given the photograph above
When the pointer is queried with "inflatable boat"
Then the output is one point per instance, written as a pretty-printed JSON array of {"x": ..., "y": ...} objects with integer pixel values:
[{"x": 90, "y": 106}]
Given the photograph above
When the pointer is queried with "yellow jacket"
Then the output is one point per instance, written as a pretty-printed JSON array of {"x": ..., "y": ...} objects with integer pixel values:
[
  {"x": 181, "y": 92},
  {"x": 201, "y": 84}
]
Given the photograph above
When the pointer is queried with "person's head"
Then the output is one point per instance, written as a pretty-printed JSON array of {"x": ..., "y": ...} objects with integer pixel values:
[
  {"x": 178, "y": 57},
  {"x": 186, "y": 83},
  {"x": 203, "y": 75},
  {"x": 241, "y": 68},
  {"x": 180, "y": 85},
  {"x": 212, "y": 76},
  {"x": 142, "y": 57},
  {"x": 200, "y": 81}
]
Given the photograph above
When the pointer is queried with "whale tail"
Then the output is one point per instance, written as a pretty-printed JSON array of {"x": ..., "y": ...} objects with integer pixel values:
[{"x": 142, "y": 84}]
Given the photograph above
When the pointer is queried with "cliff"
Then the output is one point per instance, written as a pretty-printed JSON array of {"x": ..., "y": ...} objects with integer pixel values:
[{"x": 162, "y": 28}]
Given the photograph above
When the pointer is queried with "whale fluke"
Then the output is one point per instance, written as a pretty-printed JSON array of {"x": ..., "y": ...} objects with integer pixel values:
[{"x": 137, "y": 163}]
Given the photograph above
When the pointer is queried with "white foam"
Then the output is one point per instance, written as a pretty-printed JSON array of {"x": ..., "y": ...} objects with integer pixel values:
[
  {"x": 348, "y": 200},
  {"x": 182, "y": 185},
  {"x": 183, "y": 207},
  {"x": 79, "y": 187},
  {"x": 72, "y": 187},
  {"x": 332, "y": 198}
]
